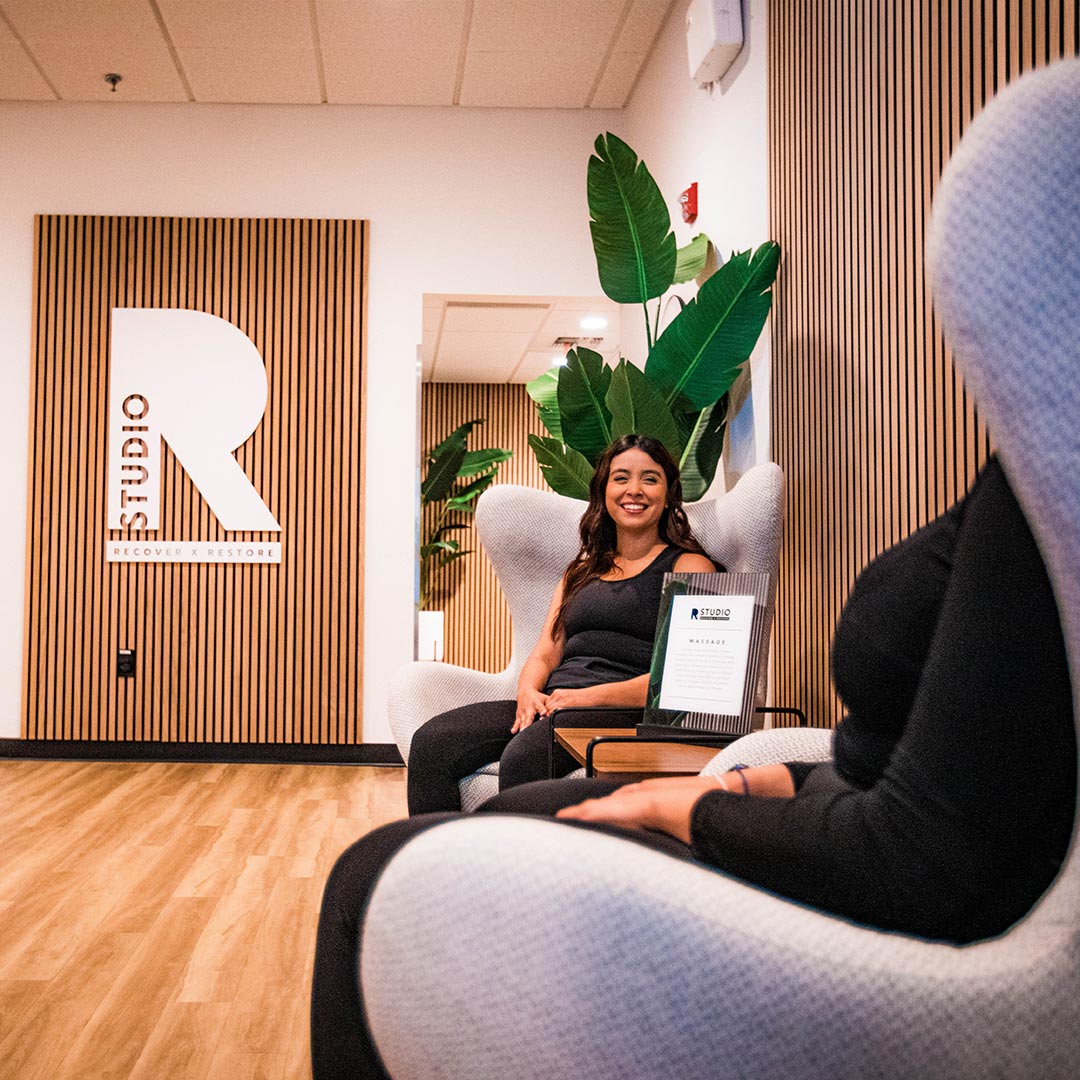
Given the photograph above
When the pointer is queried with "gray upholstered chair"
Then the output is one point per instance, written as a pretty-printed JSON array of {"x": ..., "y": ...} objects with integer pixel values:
[
  {"x": 630, "y": 964},
  {"x": 530, "y": 537}
]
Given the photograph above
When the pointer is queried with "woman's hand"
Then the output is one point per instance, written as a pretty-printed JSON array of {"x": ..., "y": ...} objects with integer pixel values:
[
  {"x": 564, "y": 698},
  {"x": 628, "y": 694},
  {"x": 530, "y": 702},
  {"x": 665, "y": 804}
]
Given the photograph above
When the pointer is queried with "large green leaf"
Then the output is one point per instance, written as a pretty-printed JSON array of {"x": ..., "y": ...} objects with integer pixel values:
[
  {"x": 446, "y": 560},
  {"x": 704, "y": 433},
  {"x": 482, "y": 460},
  {"x": 671, "y": 589},
  {"x": 442, "y": 530},
  {"x": 464, "y": 497},
  {"x": 690, "y": 260},
  {"x": 458, "y": 437},
  {"x": 443, "y": 464},
  {"x": 586, "y": 419},
  {"x": 438, "y": 545},
  {"x": 431, "y": 574},
  {"x": 638, "y": 408},
  {"x": 699, "y": 355},
  {"x": 631, "y": 226},
  {"x": 565, "y": 470},
  {"x": 544, "y": 390}
]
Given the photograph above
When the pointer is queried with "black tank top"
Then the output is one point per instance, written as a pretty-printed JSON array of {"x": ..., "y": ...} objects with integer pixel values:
[{"x": 610, "y": 626}]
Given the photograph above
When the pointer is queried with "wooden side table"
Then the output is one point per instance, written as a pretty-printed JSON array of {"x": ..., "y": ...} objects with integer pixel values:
[{"x": 631, "y": 757}]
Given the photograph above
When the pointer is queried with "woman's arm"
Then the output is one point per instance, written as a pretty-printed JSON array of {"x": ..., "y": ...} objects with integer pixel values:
[
  {"x": 543, "y": 660},
  {"x": 666, "y": 804},
  {"x": 628, "y": 693}
]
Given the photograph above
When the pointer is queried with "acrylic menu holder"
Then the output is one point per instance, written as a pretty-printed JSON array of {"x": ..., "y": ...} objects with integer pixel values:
[{"x": 709, "y": 640}]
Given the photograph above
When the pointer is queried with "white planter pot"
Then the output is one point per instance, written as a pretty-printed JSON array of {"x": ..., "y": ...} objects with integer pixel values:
[{"x": 429, "y": 644}]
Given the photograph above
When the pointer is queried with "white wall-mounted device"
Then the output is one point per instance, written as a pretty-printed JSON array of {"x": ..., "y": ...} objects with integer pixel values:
[{"x": 714, "y": 36}]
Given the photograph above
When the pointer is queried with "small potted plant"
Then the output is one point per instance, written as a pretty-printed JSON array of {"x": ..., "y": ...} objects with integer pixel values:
[{"x": 455, "y": 477}]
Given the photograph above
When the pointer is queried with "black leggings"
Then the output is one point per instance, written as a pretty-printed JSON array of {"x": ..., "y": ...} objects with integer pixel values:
[
  {"x": 454, "y": 744},
  {"x": 340, "y": 1043}
]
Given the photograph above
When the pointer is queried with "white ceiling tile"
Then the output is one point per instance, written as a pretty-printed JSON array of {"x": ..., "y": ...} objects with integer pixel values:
[
  {"x": 266, "y": 76},
  {"x": 461, "y": 351},
  {"x": 250, "y": 24},
  {"x": 543, "y": 25},
  {"x": 19, "y": 79},
  {"x": 642, "y": 25},
  {"x": 529, "y": 80},
  {"x": 485, "y": 338},
  {"x": 586, "y": 305},
  {"x": 566, "y": 322},
  {"x": 398, "y": 26},
  {"x": 533, "y": 364},
  {"x": 432, "y": 316},
  {"x": 356, "y": 76},
  {"x": 487, "y": 318},
  {"x": 78, "y": 71},
  {"x": 521, "y": 53},
  {"x": 83, "y": 21},
  {"x": 617, "y": 81}
]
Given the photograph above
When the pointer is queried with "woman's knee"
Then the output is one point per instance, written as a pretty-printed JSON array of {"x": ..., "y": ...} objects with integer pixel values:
[
  {"x": 455, "y": 732},
  {"x": 359, "y": 865},
  {"x": 432, "y": 739},
  {"x": 526, "y": 757}
]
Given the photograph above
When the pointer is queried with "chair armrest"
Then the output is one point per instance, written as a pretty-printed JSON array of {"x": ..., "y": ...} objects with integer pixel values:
[
  {"x": 783, "y": 710},
  {"x": 772, "y": 747},
  {"x": 423, "y": 689},
  {"x": 654, "y": 967},
  {"x": 596, "y": 716}
]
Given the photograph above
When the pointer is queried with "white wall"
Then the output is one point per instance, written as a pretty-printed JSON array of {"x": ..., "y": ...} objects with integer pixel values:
[
  {"x": 718, "y": 138},
  {"x": 482, "y": 201}
]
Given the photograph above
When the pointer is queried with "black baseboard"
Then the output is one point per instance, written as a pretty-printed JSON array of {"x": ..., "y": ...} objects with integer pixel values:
[{"x": 243, "y": 753}]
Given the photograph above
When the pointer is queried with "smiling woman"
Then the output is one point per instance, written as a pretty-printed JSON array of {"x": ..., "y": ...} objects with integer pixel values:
[{"x": 597, "y": 640}]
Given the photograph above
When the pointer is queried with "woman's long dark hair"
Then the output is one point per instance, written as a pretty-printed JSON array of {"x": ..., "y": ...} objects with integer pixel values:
[{"x": 598, "y": 534}]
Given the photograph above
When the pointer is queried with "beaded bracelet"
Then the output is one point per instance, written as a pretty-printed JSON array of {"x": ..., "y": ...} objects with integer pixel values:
[{"x": 739, "y": 769}]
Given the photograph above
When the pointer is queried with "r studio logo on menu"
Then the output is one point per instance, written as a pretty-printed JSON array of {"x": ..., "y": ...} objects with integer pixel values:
[{"x": 711, "y": 614}]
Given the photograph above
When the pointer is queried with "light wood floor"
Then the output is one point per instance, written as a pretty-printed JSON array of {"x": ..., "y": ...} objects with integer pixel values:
[{"x": 158, "y": 920}]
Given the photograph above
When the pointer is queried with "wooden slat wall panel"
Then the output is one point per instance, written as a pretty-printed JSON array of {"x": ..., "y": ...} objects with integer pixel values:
[
  {"x": 225, "y": 653},
  {"x": 871, "y": 423},
  {"x": 477, "y": 627}
]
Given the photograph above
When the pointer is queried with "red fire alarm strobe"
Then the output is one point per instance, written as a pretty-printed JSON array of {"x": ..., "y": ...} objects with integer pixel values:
[{"x": 688, "y": 202}]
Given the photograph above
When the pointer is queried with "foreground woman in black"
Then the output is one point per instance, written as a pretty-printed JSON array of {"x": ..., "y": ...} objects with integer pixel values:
[{"x": 947, "y": 809}]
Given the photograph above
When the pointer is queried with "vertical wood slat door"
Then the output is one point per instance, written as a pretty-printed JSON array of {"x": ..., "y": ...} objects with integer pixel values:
[
  {"x": 477, "y": 628},
  {"x": 871, "y": 423},
  {"x": 223, "y": 652}
]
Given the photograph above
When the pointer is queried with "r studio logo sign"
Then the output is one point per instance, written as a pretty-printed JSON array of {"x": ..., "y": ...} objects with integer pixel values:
[{"x": 198, "y": 383}]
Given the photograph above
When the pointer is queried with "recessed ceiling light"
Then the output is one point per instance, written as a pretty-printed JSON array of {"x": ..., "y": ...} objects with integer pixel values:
[
  {"x": 593, "y": 322},
  {"x": 560, "y": 361}
]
